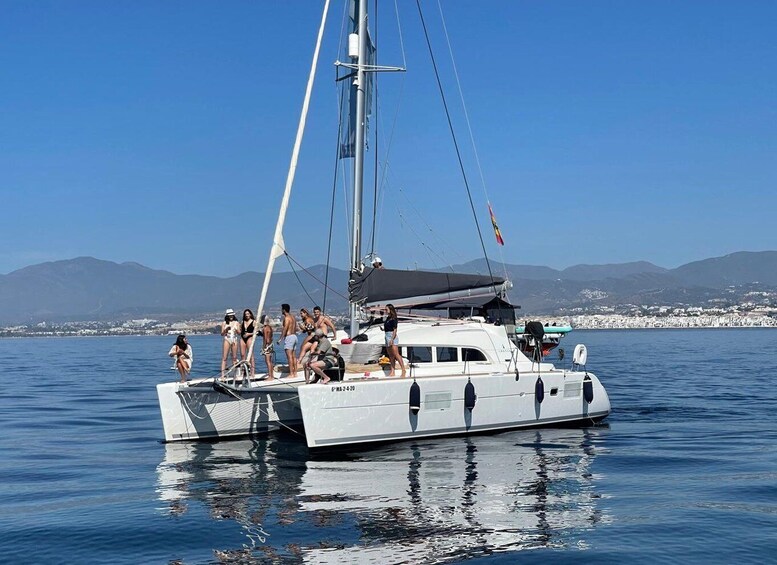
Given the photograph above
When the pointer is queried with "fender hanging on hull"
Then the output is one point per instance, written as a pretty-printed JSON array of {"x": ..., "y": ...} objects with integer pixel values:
[
  {"x": 539, "y": 390},
  {"x": 469, "y": 396},
  {"x": 415, "y": 398},
  {"x": 588, "y": 389}
]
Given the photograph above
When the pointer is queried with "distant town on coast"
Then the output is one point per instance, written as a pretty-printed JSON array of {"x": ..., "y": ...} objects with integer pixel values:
[{"x": 147, "y": 326}]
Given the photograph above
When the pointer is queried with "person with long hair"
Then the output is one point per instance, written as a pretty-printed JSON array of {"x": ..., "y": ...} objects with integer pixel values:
[
  {"x": 181, "y": 351},
  {"x": 392, "y": 340},
  {"x": 307, "y": 325},
  {"x": 267, "y": 346},
  {"x": 230, "y": 330},
  {"x": 247, "y": 337}
]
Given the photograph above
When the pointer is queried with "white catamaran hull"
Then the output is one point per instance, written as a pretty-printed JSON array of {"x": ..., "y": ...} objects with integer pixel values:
[
  {"x": 196, "y": 411},
  {"x": 365, "y": 411}
]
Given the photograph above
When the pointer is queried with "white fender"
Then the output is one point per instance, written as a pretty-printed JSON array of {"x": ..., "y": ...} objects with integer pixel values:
[{"x": 580, "y": 356}]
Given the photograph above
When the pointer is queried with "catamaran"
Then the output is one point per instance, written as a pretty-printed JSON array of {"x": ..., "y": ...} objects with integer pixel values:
[{"x": 468, "y": 372}]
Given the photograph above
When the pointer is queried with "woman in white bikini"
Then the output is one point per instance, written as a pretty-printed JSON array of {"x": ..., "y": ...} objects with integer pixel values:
[{"x": 230, "y": 330}]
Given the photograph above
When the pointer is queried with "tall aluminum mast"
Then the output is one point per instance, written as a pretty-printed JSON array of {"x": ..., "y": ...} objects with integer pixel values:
[{"x": 358, "y": 162}]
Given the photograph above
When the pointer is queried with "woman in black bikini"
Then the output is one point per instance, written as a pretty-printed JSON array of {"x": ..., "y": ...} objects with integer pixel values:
[{"x": 247, "y": 336}]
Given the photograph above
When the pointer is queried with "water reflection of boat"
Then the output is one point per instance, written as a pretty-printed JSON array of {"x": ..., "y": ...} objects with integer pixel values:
[{"x": 412, "y": 502}]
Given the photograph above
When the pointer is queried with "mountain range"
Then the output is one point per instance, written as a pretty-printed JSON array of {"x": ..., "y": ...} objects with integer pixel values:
[{"x": 86, "y": 288}]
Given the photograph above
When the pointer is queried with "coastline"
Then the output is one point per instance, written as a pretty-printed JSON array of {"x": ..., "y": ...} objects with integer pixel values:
[{"x": 592, "y": 322}]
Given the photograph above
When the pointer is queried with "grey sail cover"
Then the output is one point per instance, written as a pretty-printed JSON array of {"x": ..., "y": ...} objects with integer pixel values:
[{"x": 385, "y": 285}]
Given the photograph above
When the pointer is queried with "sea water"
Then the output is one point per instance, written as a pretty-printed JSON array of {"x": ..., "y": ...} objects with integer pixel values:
[{"x": 684, "y": 470}]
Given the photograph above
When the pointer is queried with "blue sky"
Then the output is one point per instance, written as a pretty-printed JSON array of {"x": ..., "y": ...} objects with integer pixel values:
[{"x": 608, "y": 131}]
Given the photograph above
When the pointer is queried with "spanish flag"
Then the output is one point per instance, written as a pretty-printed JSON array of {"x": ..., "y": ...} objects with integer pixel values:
[{"x": 497, "y": 233}]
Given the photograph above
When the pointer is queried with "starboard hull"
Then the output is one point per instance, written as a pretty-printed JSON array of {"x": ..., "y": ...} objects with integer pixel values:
[{"x": 369, "y": 411}]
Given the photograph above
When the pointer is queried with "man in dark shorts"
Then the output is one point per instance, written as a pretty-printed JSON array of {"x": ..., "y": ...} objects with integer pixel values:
[{"x": 324, "y": 355}]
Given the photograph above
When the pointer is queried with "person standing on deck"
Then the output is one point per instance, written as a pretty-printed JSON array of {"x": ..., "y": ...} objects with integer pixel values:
[
  {"x": 324, "y": 323},
  {"x": 267, "y": 348},
  {"x": 182, "y": 352},
  {"x": 289, "y": 338},
  {"x": 247, "y": 337},
  {"x": 230, "y": 330},
  {"x": 392, "y": 340}
]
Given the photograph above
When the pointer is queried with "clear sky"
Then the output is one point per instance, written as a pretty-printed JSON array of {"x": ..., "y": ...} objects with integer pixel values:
[{"x": 608, "y": 131}]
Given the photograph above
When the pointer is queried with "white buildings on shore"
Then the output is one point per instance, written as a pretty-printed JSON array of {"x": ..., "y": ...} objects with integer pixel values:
[{"x": 619, "y": 321}]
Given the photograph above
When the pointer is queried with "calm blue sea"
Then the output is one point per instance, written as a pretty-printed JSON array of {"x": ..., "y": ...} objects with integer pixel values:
[{"x": 683, "y": 471}]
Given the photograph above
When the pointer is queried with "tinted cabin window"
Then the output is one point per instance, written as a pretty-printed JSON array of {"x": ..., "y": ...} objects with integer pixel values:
[
  {"x": 419, "y": 354},
  {"x": 447, "y": 354},
  {"x": 472, "y": 354}
]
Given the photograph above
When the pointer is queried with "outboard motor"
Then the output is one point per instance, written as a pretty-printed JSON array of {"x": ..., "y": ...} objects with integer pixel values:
[{"x": 537, "y": 333}]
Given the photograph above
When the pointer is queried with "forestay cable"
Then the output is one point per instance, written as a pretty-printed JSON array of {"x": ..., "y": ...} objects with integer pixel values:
[{"x": 278, "y": 245}]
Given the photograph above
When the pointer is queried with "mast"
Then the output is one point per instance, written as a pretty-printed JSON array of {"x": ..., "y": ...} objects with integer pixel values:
[{"x": 358, "y": 162}]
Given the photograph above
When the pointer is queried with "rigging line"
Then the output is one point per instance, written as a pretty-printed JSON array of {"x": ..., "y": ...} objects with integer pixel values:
[
  {"x": 311, "y": 275},
  {"x": 455, "y": 143},
  {"x": 341, "y": 41},
  {"x": 401, "y": 39},
  {"x": 278, "y": 243},
  {"x": 467, "y": 120},
  {"x": 416, "y": 209},
  {"x": 334, "y": 195},
  {"x": 305, "y": 290},
  {"x": 429, "y": 250},
  {"x": 389, "y": 144},
  {"x": 375, "y": 110}
]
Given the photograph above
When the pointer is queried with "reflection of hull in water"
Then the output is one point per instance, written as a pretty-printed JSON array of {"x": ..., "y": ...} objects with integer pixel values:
[
  {"x": 427, "y": 501},
  {"x": 479, "y": 497},
  {"x": 197, "y": 411}
]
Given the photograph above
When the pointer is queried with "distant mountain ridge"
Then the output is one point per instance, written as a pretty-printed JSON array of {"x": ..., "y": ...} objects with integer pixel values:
[{"x": 86, "y": 288}]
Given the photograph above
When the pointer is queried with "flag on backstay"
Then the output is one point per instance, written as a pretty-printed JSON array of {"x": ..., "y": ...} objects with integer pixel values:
[{"x": 497, "y": 233}]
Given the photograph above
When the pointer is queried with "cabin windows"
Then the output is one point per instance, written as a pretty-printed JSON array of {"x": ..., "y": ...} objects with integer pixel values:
[
  {"x": 416, "y": 354},
  {"x": 469, "y": 354},
  {"x": 447, "y": 354},
  {"x": 442, "y": 354}
]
